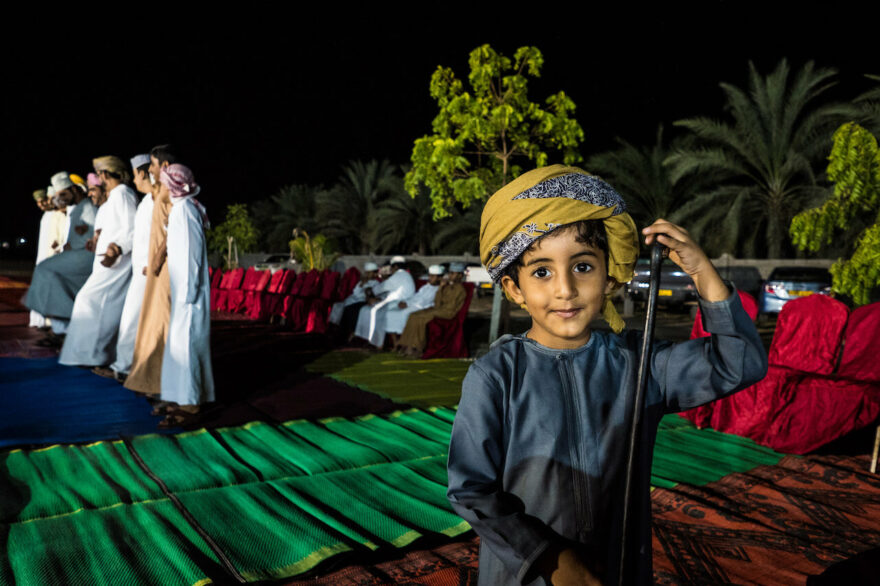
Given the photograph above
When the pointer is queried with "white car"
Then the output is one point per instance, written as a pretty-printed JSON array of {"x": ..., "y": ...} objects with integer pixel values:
[{"x": 478, "y": 275}]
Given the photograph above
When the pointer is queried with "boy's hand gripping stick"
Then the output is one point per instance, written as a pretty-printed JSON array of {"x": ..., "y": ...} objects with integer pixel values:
[{"x": 657, "y": 255}]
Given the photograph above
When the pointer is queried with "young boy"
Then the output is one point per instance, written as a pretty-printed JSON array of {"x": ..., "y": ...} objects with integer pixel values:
[{"x": 538, "y": 452}]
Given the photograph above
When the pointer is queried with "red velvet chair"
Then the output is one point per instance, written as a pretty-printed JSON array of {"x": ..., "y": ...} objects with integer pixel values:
[
  {"x": 231, "y": 282},
  {"x": 254, "y": 296},
  {"x": 446, "y": 336},
  {"x": 217, "y": 278},
  {"x": 235, "y": 300},
  {"x": 275, "y": 305},
  {"x": 298, "y": 314},
  {"x": 319, "y": 311},
  {"x": 822, "y": 382},
  {"x": 347, "y": 283}
]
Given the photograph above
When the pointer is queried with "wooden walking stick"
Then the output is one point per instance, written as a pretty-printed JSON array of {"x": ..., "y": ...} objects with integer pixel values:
[{"x": 638, "y": 401}]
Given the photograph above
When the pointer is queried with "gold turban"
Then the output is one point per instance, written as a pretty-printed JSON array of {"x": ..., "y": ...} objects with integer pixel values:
[
  {"x": 113, "y": 165},
  {"x": 544, "y": 199},
  {"x": 77, "y": 179},
  {"x": 40, "y": 194}
]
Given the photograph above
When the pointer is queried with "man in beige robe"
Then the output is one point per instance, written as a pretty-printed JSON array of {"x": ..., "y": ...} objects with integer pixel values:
[
  {"x": 447, "y": 302},
  {"x": 145, "y": 375}
]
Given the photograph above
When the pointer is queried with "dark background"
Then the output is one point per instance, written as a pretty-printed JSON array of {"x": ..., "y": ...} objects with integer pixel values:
[{"x": 257, "y": 102}]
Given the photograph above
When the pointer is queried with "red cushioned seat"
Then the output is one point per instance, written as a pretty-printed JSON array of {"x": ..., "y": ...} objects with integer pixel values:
[{"x": 446, "y": 336}]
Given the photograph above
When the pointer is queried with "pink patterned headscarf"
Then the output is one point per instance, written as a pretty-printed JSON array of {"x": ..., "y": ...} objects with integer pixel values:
[
  {"x": 93, "y": 180},
  {"x": 179, "y": 180}
]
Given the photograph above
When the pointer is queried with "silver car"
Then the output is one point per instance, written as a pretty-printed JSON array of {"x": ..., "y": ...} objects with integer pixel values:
[{"x": 787, "y": 283}]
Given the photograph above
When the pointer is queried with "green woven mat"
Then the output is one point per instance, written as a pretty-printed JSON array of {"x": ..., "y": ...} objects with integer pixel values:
[
  {"x": 143, "y": 543},
  {"x": 277, "y": 499},
  {"x": 422, "y": 383},
  {"x": 59, "y": 480},
  {"x": 685, "y": 454}
]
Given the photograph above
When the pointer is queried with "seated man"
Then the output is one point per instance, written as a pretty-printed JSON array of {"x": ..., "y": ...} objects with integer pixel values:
[
  {"x": 58, "y": 279},
  {"x": 346, "y": 311},
  {"x": 371, "y": 319},
  {"x": 447, "y": 303},
  {"x": 396, "y": 316}
]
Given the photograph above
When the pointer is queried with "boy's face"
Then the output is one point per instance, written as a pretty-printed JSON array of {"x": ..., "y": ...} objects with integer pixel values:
[{"x": 562, "y": 283}]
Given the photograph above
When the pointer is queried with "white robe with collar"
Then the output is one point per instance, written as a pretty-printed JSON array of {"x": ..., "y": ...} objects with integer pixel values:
[
  {"x": 187, "y": 377},
  {"x": 58, "y": 279},
  {"x": 371, "y": 319},
  {"x": 357, "y": 296},
  {"x": 94, "y": 321},
  {"x": 134, "y": 298},
  {"x": 395, "y": 318},
  {"x": 53, "y": 228}
]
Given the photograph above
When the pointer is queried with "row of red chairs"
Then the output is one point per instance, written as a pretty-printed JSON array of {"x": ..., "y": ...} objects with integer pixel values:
[{"x": 304, "y": 301}]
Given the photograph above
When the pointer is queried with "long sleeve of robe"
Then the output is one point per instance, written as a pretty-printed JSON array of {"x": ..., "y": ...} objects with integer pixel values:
[
  {"x": 187, "y": 377},
  {"x": 145, "y": 374},
  {"x": 538, "y": 447},
  {"x": 134, "y": 297},
  {"x": 57, "y": 280},
  {"x": 395, "y": 317},
  {"x": 94, "y": 320},
  {"x": 371, "y": 319},
  {"x": 447, "y": 303}
]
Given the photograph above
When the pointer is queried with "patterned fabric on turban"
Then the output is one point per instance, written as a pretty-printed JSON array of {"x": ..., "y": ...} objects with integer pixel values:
[
  {"x": 113, "y": 165},
  {"x": 179, "y": 180},
  {"x": 538, "y": 202}
]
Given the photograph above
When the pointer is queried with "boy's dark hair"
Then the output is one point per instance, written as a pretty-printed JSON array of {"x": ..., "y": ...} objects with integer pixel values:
[
  {"x": 143, "y": 170},
  {"x": 590, "y": 232},
  {"x": 164, "y": 153}
]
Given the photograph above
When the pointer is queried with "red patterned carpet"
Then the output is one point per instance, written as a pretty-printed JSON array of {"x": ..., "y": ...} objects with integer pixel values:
[{"x": 773, "y": 525}]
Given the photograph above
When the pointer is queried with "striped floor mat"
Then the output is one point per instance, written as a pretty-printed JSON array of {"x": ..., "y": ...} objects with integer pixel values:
[{"x": 260, "y": 501}]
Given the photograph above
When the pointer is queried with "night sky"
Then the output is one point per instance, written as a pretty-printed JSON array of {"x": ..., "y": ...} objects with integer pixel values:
[{"x": 254, "y": 104}]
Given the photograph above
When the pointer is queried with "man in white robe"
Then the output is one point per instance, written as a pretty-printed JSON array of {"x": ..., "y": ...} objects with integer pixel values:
[
  {"x": 187, "y": 376},
  {"x": 134, "y": 297},
  {"x": 53, "y": 224},
  {"x": 94, "y": 321},
  {"x": 396, "y": 316},
  {"x": 358, "y": 294},
  {"x": 371, "y": 319},
  {"x": 58, "y": 279}
]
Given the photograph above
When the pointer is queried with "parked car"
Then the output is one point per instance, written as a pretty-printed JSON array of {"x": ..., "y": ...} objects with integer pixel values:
[
  {"x": 787, "y": 283},
  {"x": 746, "y": 278},
  {"x": 676, "y": 287},
  {"x": 478, "y": 275}
]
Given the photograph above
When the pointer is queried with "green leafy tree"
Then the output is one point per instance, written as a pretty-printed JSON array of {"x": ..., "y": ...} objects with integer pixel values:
[
  {"x": 313, "y": 253},
  {"x": 483, "y": 134},
  {"x": 346, "y": 211},
  {"x": 764, "y": 162},
  {"x": 236, "y": 234},
  {"x": 854, "y": 168},
  {"x": 645, "y": 183},
  {"x": 293, "y": 206}
]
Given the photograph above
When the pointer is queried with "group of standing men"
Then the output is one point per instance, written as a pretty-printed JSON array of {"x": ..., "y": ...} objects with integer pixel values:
[
  {"x": 394, "y": 306},
  {"x": 123, "y": 286}
]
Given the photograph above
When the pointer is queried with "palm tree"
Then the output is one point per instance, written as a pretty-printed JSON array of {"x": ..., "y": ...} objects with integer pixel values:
[
  {"x": 403, "y": 224},
  {"x": 764, "y": 162},
  {"x": 640, "y": 176},
  {"x": 460, "y": 233},
  {"x": 869, "y": 102},
  {"x": 346, "y": 211},
  {"x": 293, "y": 206}
]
